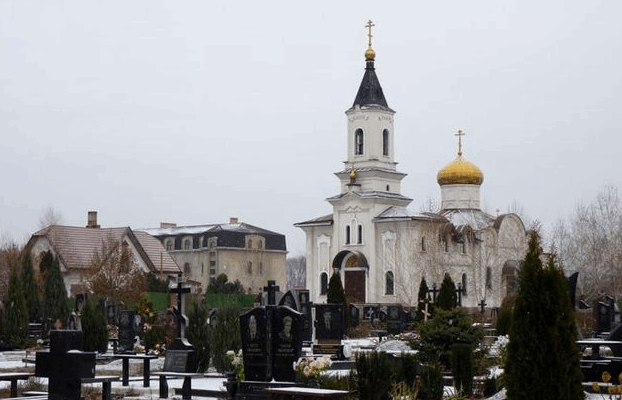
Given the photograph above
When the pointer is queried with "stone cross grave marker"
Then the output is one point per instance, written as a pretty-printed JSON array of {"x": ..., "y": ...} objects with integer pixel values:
[
  {"x": 271, "y": 289},
  {"x": 307, "y": 320},
  {"x": 180, "y": 290},
  {"x": 65, "y": 365}
]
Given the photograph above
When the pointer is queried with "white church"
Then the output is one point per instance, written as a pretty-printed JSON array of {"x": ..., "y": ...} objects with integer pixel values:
[{"x": 382, "y": 250}]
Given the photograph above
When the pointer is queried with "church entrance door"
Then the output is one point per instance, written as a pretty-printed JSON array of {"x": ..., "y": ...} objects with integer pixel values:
[{"x": 355, "y": 286}]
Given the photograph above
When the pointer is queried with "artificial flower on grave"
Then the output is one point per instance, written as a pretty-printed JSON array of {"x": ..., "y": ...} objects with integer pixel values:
[
  {"x": 236, "y": 363},
  {"x": 312, "y": 368}
]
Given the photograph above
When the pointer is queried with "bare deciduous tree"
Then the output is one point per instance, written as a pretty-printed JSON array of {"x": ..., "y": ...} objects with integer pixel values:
[
  {"x": 590, "y": 242},
  {"x": 114, "y": 273},
  {"x": 296, "y": 271},
  {"x": 50, "y": 216}
]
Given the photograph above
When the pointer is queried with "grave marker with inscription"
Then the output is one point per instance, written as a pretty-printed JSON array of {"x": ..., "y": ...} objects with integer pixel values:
[
  {"x": 287, "y": 343},
  {"x": 254, "y": 345},
  {"x": 126, "y": 331}
]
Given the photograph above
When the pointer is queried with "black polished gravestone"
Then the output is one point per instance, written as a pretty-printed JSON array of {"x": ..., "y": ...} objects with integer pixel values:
[
  {"x": 329, "y": 322},
  {"x": 126, "y": 331},
  {"x": 290, "y": 300},
  {"x": 355, "y": 315},
  {"x": 253, "y": 328},
  {"x": 395, "y": 318},
  {"x": 65, "y": 365},
  {"x": 307, "y": 318},
  {"x": 286, "y": 342},
  {"x": 369, "y": 311}
]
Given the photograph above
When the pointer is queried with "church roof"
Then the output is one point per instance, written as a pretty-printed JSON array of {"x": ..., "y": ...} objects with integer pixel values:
[
  {"x": 476, "y": 219},
  {"x": 371, "y": 194},
  {"x": 323, "y": 220},
  {"x": 370, "y": 95}
]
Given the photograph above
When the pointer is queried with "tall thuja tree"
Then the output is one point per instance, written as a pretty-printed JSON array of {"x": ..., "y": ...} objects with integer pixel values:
[
  {"x": 422, "y": 298},
  {"x": 16, "y": 314},
  {"x": 94, "y": 326},
  {"x": 542, "y": 360},
  {"x": 55, "y": 301},
  {"x": 32, "y": 293},
  {"x": 197, "y": 333},
  {"x": 336, "y": 295},
  {"x": 447, "y": 297}
]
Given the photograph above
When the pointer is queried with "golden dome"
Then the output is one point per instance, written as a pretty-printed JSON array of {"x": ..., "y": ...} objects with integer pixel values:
[
  {"x": 370, "y": 54},
  {"x": 460, "y": 172}
]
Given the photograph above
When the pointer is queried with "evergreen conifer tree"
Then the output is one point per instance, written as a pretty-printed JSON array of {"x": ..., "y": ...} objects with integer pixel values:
[
  {"x": 94, "y": 326},
  {"x": 32, "y": 293},
  {"x": 335, "y": 294},
  {"x": 542, "y": 361},
  {"x": 198, "y": 333},
  {"x": 16, "y": 315},
  {"x": 422, "y": 299},
  {"x": 447, "y": 297},
  {"x": 56, "y": 304}
]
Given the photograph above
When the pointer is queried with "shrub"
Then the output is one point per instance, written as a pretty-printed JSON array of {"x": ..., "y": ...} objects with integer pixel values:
[
  {"x": 197, "y": 334},
  {"x": 94, "y": 326},
  {"x": 462, "y": 368},
  {"x": 431, "y": 382},
  {"x": 224, "y": 335}
]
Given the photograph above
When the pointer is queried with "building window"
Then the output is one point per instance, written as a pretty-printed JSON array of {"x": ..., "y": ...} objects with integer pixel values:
[
  {"x": 347, "y": 234},
  {"x": 388, "y": 278},
  {"x": 187, "y": 244},
  {"x": 464, "y": 284},
  {"x": 260, "y": 268},
  {"x": 249, "y": 267},
  {"x": 202, "y": 268},
  {"x": 323, "y": 283},
  {"x": 204, "y": 242},
  {"x": 385, "y": 142},
  {"x": 360, "y": 234},
  {"x": 212, "y": 242},
  {"x": 212, "y": 263},
  {"x": 463, "y": 247},
  {"x": 250, "y": 243},
  {"x": 423, "y": 243},
  {"x": 358, "y": 142},
  {"x": 260, "y": 245},
  {"x": 212, "y": 254},
  {"x": 170, "y": 244},
  {"x": 187, "y": 268},
  {"x": 212, "y": 271},
  {"x": 488, "y": 278},
  {"x": 446, "y": 245},
  {"x": 388, "y": 188}
]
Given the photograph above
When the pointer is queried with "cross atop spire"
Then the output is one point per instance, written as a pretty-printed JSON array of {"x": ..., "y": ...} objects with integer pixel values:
[
  {"x": 460, "y": 133},
  {"x": 369, "y": 35}
]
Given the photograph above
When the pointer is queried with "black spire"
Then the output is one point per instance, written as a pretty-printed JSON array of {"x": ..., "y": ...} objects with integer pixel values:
[{"x": 370, "y": 92}]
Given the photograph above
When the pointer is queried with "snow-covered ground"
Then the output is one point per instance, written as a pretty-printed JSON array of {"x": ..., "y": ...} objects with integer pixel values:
[{"x": 13, "y": 360}]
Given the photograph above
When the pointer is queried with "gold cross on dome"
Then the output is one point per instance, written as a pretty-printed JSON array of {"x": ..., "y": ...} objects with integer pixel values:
[
  {"x": 369, "y": 35},
  {"x": 460, "y": 133}
]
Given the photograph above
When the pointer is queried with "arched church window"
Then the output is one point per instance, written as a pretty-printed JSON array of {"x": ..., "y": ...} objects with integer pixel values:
[
  {"x": 464, "y": 284},
  {"x": 389, "y": 283},
  {"x": 358, "y": 142},
  {"x": 488, "y": 278},
  {"x": 323, "y": 283},
  {"x": 385, "y": 142},
  {"x": 347, "y": 234},
  {"x": 360, "y": 234}
]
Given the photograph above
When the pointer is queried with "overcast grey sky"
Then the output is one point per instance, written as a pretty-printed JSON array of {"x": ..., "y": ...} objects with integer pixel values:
[{"x": 195, "y": 111}]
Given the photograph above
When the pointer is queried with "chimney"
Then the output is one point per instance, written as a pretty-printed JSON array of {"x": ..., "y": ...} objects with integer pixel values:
[
  {"x": 233, "y": 220},
  {"x": 91, "y": 220},
  {"x": 166, "y": 225}
]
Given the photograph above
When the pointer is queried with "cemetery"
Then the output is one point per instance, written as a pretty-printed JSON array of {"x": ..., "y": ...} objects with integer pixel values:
[{"x": 286, "y": 347}]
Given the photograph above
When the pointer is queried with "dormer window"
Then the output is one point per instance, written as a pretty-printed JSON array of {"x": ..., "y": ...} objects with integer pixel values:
[
  {"x": 358, "y": 142},
  {"x": 187, "y": 243}
]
